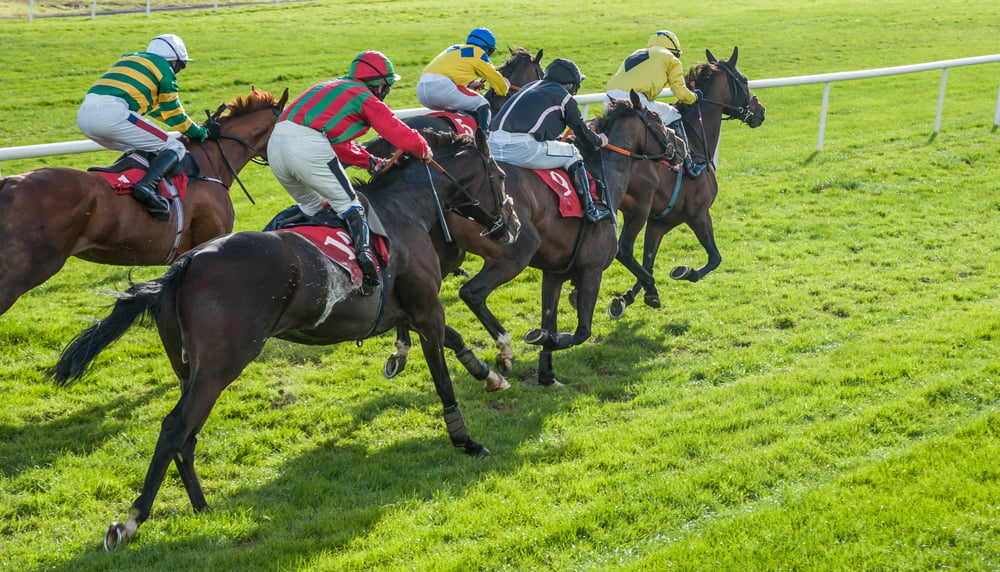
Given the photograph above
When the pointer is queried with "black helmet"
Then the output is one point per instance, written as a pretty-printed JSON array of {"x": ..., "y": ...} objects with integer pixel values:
[{"x": 563, "y": 71}]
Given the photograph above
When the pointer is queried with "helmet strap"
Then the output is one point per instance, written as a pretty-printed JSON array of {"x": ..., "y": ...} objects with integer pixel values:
[{"x": 378, "y": 72}]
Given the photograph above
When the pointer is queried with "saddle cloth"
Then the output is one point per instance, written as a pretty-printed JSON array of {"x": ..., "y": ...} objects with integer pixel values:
[
  {"x": 127, "y": 170},
  {"x": 569, "y": 202},
  {"x": 335, "y": 244},
  {"x": 462, "y": 123}
]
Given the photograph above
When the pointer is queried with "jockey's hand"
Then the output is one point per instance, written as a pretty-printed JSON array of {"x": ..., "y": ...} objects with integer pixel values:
[
  {"x": 428, "y": 156},
  {"x": 476, "y": 84},
  {"x": 213, "y": 130},
  {"x": 376, "y": 165},
  {"x": 604, "y": 139},
  {"x": 698, "y": 95}
]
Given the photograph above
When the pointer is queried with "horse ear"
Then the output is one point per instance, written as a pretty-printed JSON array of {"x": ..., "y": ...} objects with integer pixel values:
[
  {"x": 736, "y": 54},
  {"x": 284, "y": 99},
  {"x": 538, "y": 56},
  {"x": 709, "y": 56},
  {"x": 636, "y": 102}
]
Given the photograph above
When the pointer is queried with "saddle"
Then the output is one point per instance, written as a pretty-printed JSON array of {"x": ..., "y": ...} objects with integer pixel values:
[
  {"x": 125, "y": 172},
  {"x": 461, "y": 122},
  {"x": 335, "y": 244},
  {"x": 559, "y": 182}
]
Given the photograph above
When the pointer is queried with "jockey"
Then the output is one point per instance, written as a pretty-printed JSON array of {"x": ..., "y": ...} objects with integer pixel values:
[
  {"x": 313, "y": 139},
  {"x": 647, "y": 72},
  {"x": 143, "y": 83},
  {"x": 527, "y": 128},
  {"x": 451, "y": 80}
]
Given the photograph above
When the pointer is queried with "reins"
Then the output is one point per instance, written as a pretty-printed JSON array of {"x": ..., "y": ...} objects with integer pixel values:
[{"x": 214, "y": 117}]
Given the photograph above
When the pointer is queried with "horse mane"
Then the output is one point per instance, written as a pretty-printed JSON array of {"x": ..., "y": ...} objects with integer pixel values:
[
  {"x": 517, "y": 53},
  {"x": 700, "y": 73},
  {"x": 444, "y": 144},
  {"x": 255, "y": 100}
]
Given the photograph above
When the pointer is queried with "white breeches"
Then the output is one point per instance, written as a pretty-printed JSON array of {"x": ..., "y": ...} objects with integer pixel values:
[
  {"x": 668, "y": 113},
  {"x": 435, "y": 91},
  {"x": 523, "y": 150},
  {"x": 107, "y": 120},
  {"x": 303, "y": 161}
]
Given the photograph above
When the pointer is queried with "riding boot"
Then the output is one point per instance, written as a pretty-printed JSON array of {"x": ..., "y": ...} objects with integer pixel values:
[
  {"x": 483, "y": 116},
  {"x": 594, "y": 211},
  {"x": 357, "y": 224},
  {"x": 691, "y": 169},
  {"x": 146, "y": 190}
]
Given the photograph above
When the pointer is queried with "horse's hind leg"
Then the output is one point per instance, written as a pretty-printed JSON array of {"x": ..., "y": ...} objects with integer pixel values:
[
  {"x": 395, "y": 363},
  {"x": 492, "y": 381},
  {"x": 702, "y": 227},
  {"x": 474, "y": 294}
]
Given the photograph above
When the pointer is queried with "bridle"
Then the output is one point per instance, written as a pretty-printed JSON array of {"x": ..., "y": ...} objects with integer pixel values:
[
  {"x": 259, "y": 157},
  {"x": 669, "y": 149},
  {"x": 738, "y": 92},
  {"x": 494, "y": 226}
]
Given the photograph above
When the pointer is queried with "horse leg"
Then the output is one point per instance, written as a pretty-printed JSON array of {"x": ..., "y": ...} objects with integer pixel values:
[
  {"x": 625, "y": 255},
  {"x": 702, "y": 227},
  {"x": 474, "y": 293},
  {"x": 492, "y": 381},
  {"x": 395, "y": 363},
  {"x": 175, "y": 443},
  {"x": 547, "y": 336},
  {"x": 650, "y": 247},
  {"x": 417, "y": 291},
  {"x": 25, "y": 267}
]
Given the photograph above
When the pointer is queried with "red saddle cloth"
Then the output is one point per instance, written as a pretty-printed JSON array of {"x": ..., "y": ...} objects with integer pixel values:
[
  {"x": 336, "y": 244},
  {"x": 463, "y": 124},
  {"x": 569, "y": 202},
  {"x": 123, "y": 181}
]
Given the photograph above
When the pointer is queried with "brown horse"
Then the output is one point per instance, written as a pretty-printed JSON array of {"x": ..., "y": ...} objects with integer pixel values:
[
  {"x": 51, "y": 214},
  {"x": 217, "y": 305},
  {"x": 562, "y": 248},
  {"x": 661, "y": 199}
]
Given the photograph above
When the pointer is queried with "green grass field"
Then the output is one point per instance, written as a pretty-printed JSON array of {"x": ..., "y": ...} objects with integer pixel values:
[{"x": 826, "y": 400}]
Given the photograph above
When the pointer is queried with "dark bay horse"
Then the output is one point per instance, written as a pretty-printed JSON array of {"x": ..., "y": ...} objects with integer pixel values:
[
  {"x": 51, "y": 214},
  {"x": 218, "y": 304},
  {"x": 562, "y": 248},
  {"x": 660, "y": 199}
]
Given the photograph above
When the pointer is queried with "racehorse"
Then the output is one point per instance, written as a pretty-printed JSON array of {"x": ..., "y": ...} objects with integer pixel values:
[
  {"x": 520, "y": 69},
  {"x": 217, "y": 305},
  {"x": 562, "y": 248},
  {"x": 51, "y": 214},
  {"x": 660, "y": 199}
]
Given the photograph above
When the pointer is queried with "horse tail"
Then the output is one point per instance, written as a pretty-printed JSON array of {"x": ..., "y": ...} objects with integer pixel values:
[{"x": 140, "y": 300}]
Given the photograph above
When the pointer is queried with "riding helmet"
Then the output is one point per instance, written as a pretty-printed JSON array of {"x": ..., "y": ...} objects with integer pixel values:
[
  {"x": 665, "y": 39},
  {"x": 483, "y": 38},
  {"x": 169, "y": 47},
  {"x": 371, "y": 68}
]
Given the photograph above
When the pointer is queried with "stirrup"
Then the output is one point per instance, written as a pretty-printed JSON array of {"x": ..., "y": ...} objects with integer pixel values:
[{"x": 596, "y": 213}]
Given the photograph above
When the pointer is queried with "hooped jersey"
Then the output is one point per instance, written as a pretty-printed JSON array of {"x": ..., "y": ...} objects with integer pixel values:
[
  {"x": 343, "y": 110},
  {"x": 148, "y": 84}
]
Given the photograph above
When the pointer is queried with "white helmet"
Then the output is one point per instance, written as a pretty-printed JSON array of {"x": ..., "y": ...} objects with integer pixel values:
[{"x": 169, "y": 47}]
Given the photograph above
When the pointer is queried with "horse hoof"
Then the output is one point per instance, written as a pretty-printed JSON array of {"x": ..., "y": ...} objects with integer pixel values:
[
  {"x": 503, "y": 365},
  {"x": 652, "y": 301},
  {"x": 616, "y": 309},
  {"x": 113, "y": 538},
  {"x": 474, "y": 449},
  {"x": 680, "y": 272},
  {"x": 536, "y": 336},
  {"x": 393, "y": 365},
  {"x": 495, "y": 382}
]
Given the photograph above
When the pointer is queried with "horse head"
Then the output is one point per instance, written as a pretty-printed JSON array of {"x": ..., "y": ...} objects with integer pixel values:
[
  {"x": 637, "y": 132},
  {"x": 730, "y": 90},
  {"x": 520, "y": 69}
]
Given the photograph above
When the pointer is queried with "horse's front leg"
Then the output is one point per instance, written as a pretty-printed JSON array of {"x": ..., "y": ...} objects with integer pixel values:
[
  {"x": 548, "y": 336},
  {"x": 395, "y": 363},
  {"x": 475, "y": 292},
  {"x": 492, "y": 381},
  {"x": 626, "y": 248}
]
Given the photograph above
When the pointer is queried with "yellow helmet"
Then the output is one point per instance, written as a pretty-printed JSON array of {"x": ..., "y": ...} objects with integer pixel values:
[{"x": 665, "y": 39}]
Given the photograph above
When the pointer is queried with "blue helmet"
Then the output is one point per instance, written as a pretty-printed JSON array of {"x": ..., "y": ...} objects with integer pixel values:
[{"x": 483, "y": 38}]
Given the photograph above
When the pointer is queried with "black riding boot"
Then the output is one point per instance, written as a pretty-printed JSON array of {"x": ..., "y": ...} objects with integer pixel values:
[
  {"x": 691, "y": 169},
  {"x": 594, "y": 211},
  {"x": 483, "y": 117},
  {"x": 146, "y": 190},
  {"x": 357, "y": 224}
]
